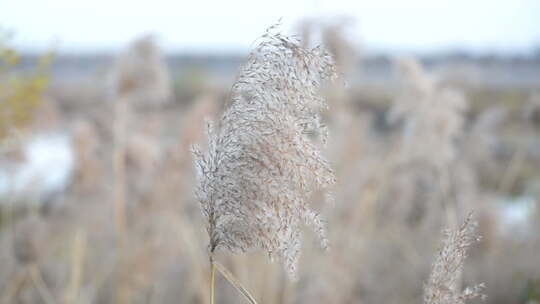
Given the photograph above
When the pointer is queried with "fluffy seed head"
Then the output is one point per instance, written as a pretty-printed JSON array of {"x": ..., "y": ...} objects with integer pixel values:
[
  {"x": 442, "y": 287},
  {"x": 432, "y": 115},
  {"x": 141, "y": 74},
  {"x": 262, "y": 162}
]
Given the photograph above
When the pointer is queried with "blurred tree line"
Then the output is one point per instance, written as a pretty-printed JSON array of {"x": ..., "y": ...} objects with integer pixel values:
[{"x": 20, "y": 91}]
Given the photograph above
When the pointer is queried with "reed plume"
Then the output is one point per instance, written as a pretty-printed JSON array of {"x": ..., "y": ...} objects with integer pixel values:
[
  {"x": 262, "y": 163},
  {"x": 433, "y": 116},
  {"x": 442, "y": 286},
  {"x": 141, "y": 74},
  {"x": 336, "y": 36}
]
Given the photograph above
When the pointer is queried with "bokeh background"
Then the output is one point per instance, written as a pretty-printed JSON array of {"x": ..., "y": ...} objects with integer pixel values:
[{"x": 437, "y": 114}]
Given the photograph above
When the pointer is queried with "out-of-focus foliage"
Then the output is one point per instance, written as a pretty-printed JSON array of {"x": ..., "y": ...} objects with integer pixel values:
[
  {"x": 191, "y": 82},
  {"x": 20, "y": 92}
]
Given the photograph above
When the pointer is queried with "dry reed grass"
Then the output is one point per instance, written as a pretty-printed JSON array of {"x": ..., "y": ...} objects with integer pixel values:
[
  {"x": 261, "y": 168},
  {"x": 383, "y": 228}
]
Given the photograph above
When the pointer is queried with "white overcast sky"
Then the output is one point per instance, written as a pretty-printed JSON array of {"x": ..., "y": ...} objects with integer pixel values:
[{"x": 228, "y": 25}]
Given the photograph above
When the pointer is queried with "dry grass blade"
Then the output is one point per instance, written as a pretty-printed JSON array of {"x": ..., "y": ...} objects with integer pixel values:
[
  {"x": 234, "y": 282},
  {"x": 119, "y": 168},
  {"x": 212, "y": 282},
  {"x": 39, "y": 283},
  {"x": 77, "y": 267}
]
